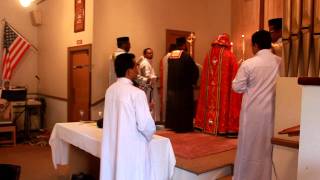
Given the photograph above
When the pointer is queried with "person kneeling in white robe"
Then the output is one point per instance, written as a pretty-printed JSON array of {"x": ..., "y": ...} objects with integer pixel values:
[{"x": 127, "y": 127}]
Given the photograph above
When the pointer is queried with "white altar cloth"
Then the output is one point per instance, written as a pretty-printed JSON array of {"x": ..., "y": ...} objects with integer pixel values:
[{"x": 87, "y": 136}]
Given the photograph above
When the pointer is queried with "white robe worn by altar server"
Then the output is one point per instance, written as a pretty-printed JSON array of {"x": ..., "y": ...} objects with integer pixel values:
[
  {"x": 127, "y": 130},
  {"x": 256, "y": 79},
  {"x": 112, "y": 74}
]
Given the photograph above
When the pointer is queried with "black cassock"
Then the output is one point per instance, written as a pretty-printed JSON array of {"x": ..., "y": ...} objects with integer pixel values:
[{"x": 182, "y": 76}]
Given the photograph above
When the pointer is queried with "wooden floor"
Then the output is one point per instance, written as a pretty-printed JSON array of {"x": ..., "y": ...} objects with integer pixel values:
[{"x": 35, "y": 161}]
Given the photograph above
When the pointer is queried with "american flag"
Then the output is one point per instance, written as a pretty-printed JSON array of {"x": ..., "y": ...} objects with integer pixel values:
[{"x": 14, "y": 47}]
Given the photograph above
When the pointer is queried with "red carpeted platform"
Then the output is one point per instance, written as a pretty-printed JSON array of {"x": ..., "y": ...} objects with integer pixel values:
[
  {"x": 194, "y": 144},
  {"x": 198, "y": 152}
]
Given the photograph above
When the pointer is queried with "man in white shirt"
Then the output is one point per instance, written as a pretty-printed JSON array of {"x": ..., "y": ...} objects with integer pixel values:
[
  {"x": 123, "y": 44},
  {"x": 127, "y": 128},
  {"x": 147, "y": 76},
  {"x": 256, "y": 79},
  {"x": 145, "y": 64},
  {"x": 147, "y": 80}
]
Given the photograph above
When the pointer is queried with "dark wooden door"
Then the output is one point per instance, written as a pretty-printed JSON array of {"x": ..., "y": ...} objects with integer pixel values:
[{"x": 79, "y": 84}]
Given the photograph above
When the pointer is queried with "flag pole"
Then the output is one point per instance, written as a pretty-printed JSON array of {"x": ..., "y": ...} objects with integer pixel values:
[{"x": 33, "y": 46}]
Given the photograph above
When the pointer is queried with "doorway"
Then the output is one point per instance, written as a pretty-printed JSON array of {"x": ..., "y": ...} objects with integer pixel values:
[{"x": 79, "y": 83}]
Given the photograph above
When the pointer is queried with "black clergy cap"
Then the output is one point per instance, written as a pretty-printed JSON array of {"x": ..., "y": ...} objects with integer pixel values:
[
  {"x": 276, "y": 23},
  {"x": 122, "y": 39},
  {"x": 181, "y": 41}
]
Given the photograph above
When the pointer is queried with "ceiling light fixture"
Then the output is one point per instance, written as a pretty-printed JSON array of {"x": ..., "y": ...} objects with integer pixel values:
[{"x": 25, "y": 3}]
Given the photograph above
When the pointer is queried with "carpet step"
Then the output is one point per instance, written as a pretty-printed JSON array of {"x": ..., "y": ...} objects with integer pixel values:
[
  {"x": 199, "y": 153},
  {"x": 225, "y": 178},
  {"x": 207, "y": 163}
]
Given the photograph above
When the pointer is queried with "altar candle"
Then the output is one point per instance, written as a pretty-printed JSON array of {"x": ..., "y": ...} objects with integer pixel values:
[{"x": 243, "y": 46}]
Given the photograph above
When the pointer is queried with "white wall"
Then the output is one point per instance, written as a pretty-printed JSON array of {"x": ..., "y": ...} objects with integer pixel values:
[
  {"x": 55, "y": 112},
  {"x": 309, "y": 157},
  {"x": 285, "y": 162},
  {"x": 145, "y": 22},
  {"x": 56, "y": 34},
  {"x": 19, "y": 18},
  {"x": 288, "y": 106},
  {"x": 287, "y": 114}
]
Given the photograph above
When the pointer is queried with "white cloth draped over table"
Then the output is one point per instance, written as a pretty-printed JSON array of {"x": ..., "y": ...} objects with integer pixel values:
[
  {"x": 256, "y": 79},
  {"x": 84, "y": 136},
  {"x": 87, "y": 136}
]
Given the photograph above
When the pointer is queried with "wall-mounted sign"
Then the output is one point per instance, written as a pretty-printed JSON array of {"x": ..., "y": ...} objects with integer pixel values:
[
  {"x": 79, "y": 15},
  {"x": 79, "y": 41}
]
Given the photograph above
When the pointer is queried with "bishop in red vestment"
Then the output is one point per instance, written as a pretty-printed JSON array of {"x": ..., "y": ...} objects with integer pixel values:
[{"x": 218, "y": 105}]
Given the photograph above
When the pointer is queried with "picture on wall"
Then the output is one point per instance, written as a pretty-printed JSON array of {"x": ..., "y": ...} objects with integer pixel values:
[{"x": 79, "y": 16}]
